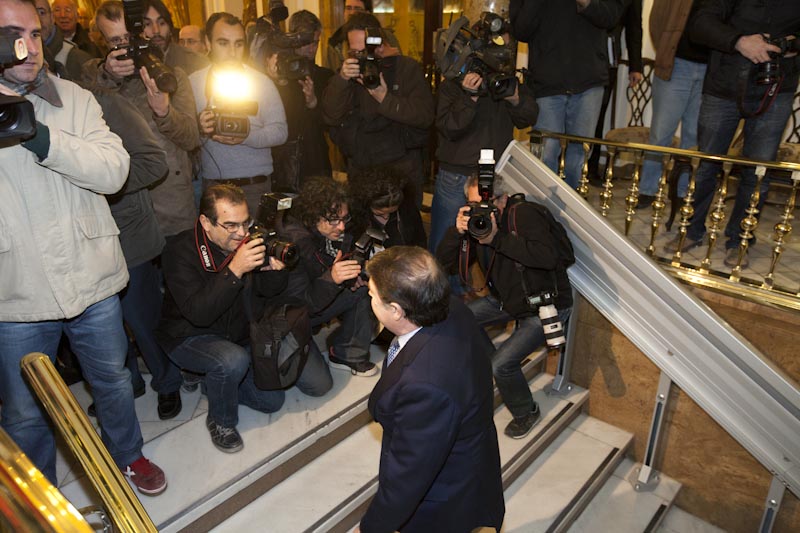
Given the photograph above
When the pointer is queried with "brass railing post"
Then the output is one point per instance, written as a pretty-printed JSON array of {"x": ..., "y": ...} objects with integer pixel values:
[
  {"x": 717, "y": 216},
  {"x": 583, "y": 184},
  {"x": 782, "y": 231},
  {"x": 606, "y": 194},
  {"x": 562, "y": 157},
  {"x": 126, "y": 511},
  {"x": 687, "y": 210},
  {"x": 748, "y": 223},
  {"x": 658, "y": 203},
  {"x": 632, "y": 200}
]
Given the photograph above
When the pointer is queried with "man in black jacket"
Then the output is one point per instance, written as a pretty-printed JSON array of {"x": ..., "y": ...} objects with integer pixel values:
[
  {"x": 384, "y": 125},
  {"x": 520, "y": 259},
  {"x": 741, "y": 35},
  {"x": 567, "y": 43},
  {"x": 212, "y": 273},
  {"x": 327, "y": 278}
]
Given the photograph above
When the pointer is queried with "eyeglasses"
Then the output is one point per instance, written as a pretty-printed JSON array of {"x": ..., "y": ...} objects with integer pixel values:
[
  {"x": 119, "y": 41},
  {"x": 233, "y": 227},
  {"x": 336, "y": 220}
]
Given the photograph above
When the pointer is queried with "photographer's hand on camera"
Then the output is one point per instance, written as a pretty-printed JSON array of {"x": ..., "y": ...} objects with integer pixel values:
[
  {"x": 343, "y": 270},
  {"x": 462, "y": 220},
  {"x": 471, "y": 84},
  {"x": 119, "y": 69},
  {"x": 756, "y": 48},
  {"x": 513, "y": 99},
  {"x": 248, "y": 257},
  {"x": 206, "y": 121},
  {"x": 350, "y": 69},
  {"x": 379, "y": 92},
  {"x": 156, "y": 99}
]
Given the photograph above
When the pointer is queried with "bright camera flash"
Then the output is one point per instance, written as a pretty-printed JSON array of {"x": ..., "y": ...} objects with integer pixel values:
[{"x": 232, "y": 85}]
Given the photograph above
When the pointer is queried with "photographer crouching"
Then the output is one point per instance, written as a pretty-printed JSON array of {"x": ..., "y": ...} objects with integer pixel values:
[
  {"x": 213, "y": 273},
  {"x": 522, "y": 262}
]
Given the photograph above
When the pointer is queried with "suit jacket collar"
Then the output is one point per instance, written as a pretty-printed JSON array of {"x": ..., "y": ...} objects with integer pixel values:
[{"x": 391, "y": 375}]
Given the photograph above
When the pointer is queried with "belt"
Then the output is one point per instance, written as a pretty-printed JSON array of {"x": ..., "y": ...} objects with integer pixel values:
[{"x": 242, "y": 181}]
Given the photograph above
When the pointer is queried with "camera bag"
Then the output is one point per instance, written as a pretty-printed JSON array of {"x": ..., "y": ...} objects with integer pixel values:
[
  {"x": 279, "y": 345},
  {"x": 565, "y": 251}
]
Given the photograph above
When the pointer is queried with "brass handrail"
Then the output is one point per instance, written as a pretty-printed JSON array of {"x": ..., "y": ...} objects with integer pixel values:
[
  {"x": 765, "y": 291},
  {"x": 125, "y": 510},
  {"x": 29, "y": 501}
]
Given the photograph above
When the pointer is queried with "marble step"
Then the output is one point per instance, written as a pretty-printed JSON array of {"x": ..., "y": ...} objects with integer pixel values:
[
  {"x": 618, "y": 507},
  {"x": 553, "y": 491},
  {"x": 206, "y": 485},
  {"x": 332, "y": 493}
]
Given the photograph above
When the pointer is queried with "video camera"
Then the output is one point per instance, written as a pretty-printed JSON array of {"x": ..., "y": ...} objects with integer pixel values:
[
  {"x": 368, "y": 63},
  {"x": 229, "y": 91},
  {"x": 769, "y": 72},
  {"x": 480, "y": 213},
  {"x": 291, "y": 66},
  {"x": 141, "y": 51},
  {"x": 264, "y": 228},
  {"x": 17, "y": 118},
  {"x": 480, "y": 49}
]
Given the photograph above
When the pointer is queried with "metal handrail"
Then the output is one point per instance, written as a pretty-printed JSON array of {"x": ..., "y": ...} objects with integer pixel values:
[
  {"x": 30, "y": 502},
  {"x": 125, "y": 510}
]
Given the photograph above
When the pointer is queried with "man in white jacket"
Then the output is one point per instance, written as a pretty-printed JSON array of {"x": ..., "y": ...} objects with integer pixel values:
[{"x": 60, "y": 258}]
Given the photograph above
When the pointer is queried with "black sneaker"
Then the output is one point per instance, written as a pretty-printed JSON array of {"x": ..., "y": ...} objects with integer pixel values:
[
  {"x": 190, "y": 381},
  {"x": 169, "y": 405},
  {"x": 225, "y": 439},
  {"x": 361, "y": 368},
  {"x": 519, "y": 427}
]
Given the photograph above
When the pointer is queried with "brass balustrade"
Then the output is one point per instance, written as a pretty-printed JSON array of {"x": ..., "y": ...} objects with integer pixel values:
[
  {"x": 764, "y": 291},
  {"x": 125, "y": 510}
]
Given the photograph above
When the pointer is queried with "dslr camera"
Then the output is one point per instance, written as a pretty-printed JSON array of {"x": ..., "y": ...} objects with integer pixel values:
[
  {"x": 769, "y": 72},
  {"x": 368, "y": 244},
  {"x": 264, "y": 227},
  {"x": 291, "y": 66},
  {"x": 17, "y": 118},
  {"x": 140, "y": 50},
  {"x": 482, "y": 49},
  {"x": 548, "y": 315},
  {"x": 480, "y": 213},
  {"x": 368, "y": 63}
]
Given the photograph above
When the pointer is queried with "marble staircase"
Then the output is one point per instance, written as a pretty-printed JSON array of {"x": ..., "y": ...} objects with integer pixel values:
[{"x": 313, "y": 466}]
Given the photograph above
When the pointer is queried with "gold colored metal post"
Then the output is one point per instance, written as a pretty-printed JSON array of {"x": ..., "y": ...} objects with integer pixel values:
[
  {"x": 606, "y": 195},
  {"x": 658, "y": 203},
  {"x": 125, "y": 510},
  {"x": 782, "y": 231},
  {"x": 583, "y": 184},
  {"x": 632, "y": 200},
  {"x": 687, "y": 210},
  {"x": 562, "y": 159},
  {"x": 717, "y": 216},
  {"x": 748, "y": 223}
]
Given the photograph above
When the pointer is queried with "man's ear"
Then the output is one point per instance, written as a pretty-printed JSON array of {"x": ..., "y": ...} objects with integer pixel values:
[
  {"x": 206, "y": 223},
  {"x": 397, "y": 311}
]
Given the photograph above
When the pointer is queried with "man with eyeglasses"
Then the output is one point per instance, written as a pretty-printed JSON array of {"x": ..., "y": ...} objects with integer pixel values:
[
  {"x": 63, "y": 57},
  {"x": 327, "y": 278},
  {"x": 210, "y": 271},
  {"x": 193, "y": 38}
]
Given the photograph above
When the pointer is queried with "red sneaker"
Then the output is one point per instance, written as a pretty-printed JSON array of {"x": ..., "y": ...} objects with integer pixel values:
[{"x": 148, "y": 477}]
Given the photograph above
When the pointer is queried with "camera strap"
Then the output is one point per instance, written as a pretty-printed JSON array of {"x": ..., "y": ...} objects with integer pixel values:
[
  {"x": 205, "y": 253},
  {"x": 767, "y": 99}
]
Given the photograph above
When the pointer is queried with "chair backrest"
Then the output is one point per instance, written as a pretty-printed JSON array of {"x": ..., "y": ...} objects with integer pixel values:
[
  {"x": 794, "y": 121},
  {"x": 639, "y": 96}
]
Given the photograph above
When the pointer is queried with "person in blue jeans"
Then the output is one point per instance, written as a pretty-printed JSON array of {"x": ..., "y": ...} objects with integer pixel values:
[
  {"x": 680, "y": 68},
  {"x": 61, "y": 261},
  {"x": 735, "y": 32},
  {"x": 213, "y": 273},
  {"x": 520, "y": 259},
  {"x": 568, "y": 60}
]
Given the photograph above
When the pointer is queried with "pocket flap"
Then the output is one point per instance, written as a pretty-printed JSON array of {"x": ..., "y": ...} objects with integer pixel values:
[{"x": 94, "y": 226}]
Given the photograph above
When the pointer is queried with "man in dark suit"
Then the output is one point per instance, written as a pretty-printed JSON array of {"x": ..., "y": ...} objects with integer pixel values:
[{"x": 440, "y": 464}]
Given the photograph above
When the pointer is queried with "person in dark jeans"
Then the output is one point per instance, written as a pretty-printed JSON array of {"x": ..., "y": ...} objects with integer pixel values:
[
  {"x": 212, "y": 273},
  {"x": 326, "y": 278}
]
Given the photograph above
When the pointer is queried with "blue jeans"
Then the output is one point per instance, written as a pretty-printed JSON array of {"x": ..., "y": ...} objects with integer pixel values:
[
  {"x": 99, "y": 342},
  {"x": 141, "y": 308},
  {"x": 448, "y": 198},
  {"x": 762, "y": 136},
  {"x": 573, "y": 114},
  {"x": 676, "y": 101},
  {"x": 351, "y": 340},
  {"x": 506, "y": 360}
]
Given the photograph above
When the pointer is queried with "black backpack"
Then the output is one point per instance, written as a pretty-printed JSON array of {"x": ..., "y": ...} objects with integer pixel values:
[
  {"x": 559, "y": 234},
  {"x": 280, "y": 343}
]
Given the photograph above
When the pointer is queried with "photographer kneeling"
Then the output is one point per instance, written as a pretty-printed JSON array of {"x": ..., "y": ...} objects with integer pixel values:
[
  {"x": 521, "y": 261},
  {"x": 212, "y": 272},
  {"x": 327, "y": 278}
]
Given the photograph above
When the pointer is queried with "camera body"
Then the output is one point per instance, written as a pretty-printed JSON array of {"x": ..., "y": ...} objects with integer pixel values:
[
  {"x": 291, "y": 66},
  {"x": 769, "y": 72},
  {"x": 232, "y": 119},
  {"x": 368, "y": 63},
  {"x": 543, "y": 303},
  {"x": 17, "y": 117},
  {"x": 480, "y": 49},
  {"x": 370, "y": 243},
  {"x": 264, "y": 227},
  {"x": 140, "y": 50},
  {"x": 480, "y": 213}
]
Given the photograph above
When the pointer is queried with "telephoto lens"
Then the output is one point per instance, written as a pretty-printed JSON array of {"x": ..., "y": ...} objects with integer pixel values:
[{"x": 553, "y": 329}]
